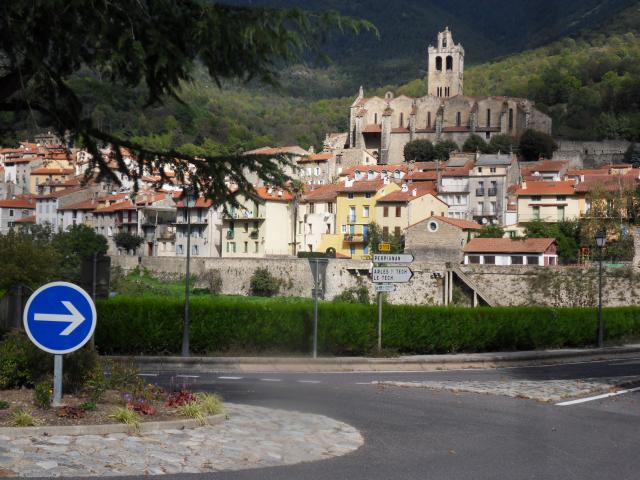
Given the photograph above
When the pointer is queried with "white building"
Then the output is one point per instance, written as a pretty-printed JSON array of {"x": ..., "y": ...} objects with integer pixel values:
[{"x": 505, "y": 251}]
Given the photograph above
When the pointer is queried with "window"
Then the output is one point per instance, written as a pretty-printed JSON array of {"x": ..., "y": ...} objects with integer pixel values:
[
  {"x": 385, "y": 211},
  {"x": 474, "y": 259},
  {"x": 428, "y": 119},
  {"x": 375, "y": 118},
  {"x": 493, "y": 170},
  {"x": 480, "y": 171},
  {"x": 552, "y": 260},
  {"x": 194, "y": 250},
  {"x": 397, "y": 232},
  {"x": 233, "y": 247},
  {"x": 517, "y": 260},
  {"x": 311, "y": 228},
  {"x": 439, "y": 64},
  {"x": 246, "y": 247},
  {"x": 494, "y": 207},
  {"x": 330, "y": 207},
  {"x": 365, "y": 249},
  {"x": 561, "y": 198},
  {"x": 312, "y": 208},
  {"x": 308, "y": 171},
  {"x": 401, "y": 119},
  {"x": 511, "y": 119},
  {"x": 365, "y": 211},
  {"x": 317, "y": 171},
  {"x": 458, "y": 119},
  {"x": 10, "y": 213},
  {"x": 367, "y": 195},
  {"x": 433, "y": 226},
  {"x": 385, "y": 233},
  {"x": 257, "y": 245},
  {"x": 328, "y": 228},
  {"x": 536, "y": 213},
  {"x": 489, "y": 260},
  {"x": 561, "y": 214},
  {"x": 350, "y": 195},
  {"x": 536, "y": 198},
  {"x": 246, "y": 227},
  {"x": 352, "y": 249},
  {"x": 533, "y": 261},
  {"x": 398, "y": 211},
  {"x": 352, "y": 214},
  {"x": 449, "y": 62},
  {"x": 488, "y": 117}
]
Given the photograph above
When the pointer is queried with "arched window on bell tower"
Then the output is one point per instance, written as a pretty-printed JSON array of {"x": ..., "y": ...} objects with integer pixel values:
[
  {"x": 449, "y": 63},
  {"x": 439, "y": 64}
]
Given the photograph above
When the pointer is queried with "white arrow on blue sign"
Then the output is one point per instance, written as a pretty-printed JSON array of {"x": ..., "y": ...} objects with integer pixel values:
[
  {"x": 60, "y": 317},
  {"x": 391, "y": 274}
]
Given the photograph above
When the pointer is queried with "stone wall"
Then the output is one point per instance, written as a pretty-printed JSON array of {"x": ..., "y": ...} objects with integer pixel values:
[
  {"x": 591, "y": 154},
  {"x": 296, "y": 275},
  {"x": 556, "y": 286}
]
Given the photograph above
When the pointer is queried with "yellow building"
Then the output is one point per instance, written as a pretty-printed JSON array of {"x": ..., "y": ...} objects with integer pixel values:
[
  {"x": 355, "y": 210},
  {"x": 549, "y": 202},
  {"x": 50, "y": 174},
  {"x": 411, "y": 204}
]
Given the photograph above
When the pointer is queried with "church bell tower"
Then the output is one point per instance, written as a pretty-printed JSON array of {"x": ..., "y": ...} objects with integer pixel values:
[{"x": 446, "y": 67}]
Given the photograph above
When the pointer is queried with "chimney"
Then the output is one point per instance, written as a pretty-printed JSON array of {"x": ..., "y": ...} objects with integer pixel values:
[
  {"x": 405, "y": 187},
  {"x": 524, "y": 184},
  {"x": 386, "y": 181},
  {"x": 414, "y": 192},
  {"x": 270, "y": 190}
]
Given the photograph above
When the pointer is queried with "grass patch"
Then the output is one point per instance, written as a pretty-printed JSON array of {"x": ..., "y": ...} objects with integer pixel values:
[
  {"x": 211, "y": 404},
  {"x": 22, "y": 418},
  {"x": 193, "y": 410},
  {"x": 126, "y": 416}
]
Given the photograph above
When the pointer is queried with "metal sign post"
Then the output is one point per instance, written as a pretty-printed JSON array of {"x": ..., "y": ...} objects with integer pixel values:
[
  {"x": 59, "y": 318},
  {"x": 318, "y": 269},
  {"x": 385, "y": 277}
]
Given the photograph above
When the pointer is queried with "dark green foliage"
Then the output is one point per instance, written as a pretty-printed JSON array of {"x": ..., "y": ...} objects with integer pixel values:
[
  {"x": 475, "y": 143},
  {"x": 22, "y": 364},
  {"x": 359, "y": 294},
  {"x": 491, "y": 231},
  {"x": 534, "y": 145},
  {"x": 42, "y": 394},
  {"x": 376, "y": 237},
  {"x": 128, "y": 241},
  {"x": 152, "y": 326},
  {"x": 264, "y": 284},
  {"x": 75, "y": 244},
  {"x": 4, "y": 405},
  {"x": 28, "y": 260},
  {"x": 442, "y": 149},
  {"x": 419, "y": 150},
  {"x": 502, "y": 144},
  {"x": 567, "y": 235},
  {"x": 632, "y": 155}
]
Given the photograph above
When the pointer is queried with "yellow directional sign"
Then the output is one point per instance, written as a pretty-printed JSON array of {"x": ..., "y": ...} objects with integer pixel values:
[{"x": 384, "y": 247}]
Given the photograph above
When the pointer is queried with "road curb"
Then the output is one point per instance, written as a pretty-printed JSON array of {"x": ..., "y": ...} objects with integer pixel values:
[
  {"x": 363, "y": 364},
  {"x": 75, "y": 430}
]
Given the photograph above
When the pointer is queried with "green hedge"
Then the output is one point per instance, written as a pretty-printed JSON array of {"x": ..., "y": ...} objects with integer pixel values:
[{"x": 152, "y": 325}]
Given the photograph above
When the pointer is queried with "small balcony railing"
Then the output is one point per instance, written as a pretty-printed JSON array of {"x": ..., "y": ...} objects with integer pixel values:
[
  {"x": 355, "y": 238},
  {"x": 254, "y": 234},
  {"x": 230, "y": 234},
  {"x": 493, "y": 192},
  {"x": 480, "y": 192}
]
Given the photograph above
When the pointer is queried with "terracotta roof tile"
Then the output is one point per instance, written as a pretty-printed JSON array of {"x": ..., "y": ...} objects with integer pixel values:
[
  {"x": 201, "y": 202},
  {"x": 317, "y": 157},
  {"x": 363, "y": 186},
  {"x": 508, "y": 245},
  {"x": 372, "y": 128},
  {"x": 276, "y": 195},
  {"x": 324, "y": 193},
  {"x": 52, "y": 171},
  {"x": 116, "y": 207},
  {"x": 84, "y": 205},
  {"x": 18, "y": 203},
  {"x": 29, "y": 219},
  {"x": 547, "y": 188},
  {"x": 400, "y": 196}
]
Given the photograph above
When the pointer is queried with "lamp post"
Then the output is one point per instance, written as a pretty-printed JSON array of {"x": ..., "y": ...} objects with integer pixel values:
[
  {"x": 601, "y": 239},
  {"x": 189, "y": 200}
]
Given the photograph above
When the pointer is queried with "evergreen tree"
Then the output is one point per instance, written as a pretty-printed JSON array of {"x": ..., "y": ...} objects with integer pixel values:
[
  {"x": 475, "y": 143},
  {"x": 534, "y": 145},
  {"x": 419, "y": 150}
]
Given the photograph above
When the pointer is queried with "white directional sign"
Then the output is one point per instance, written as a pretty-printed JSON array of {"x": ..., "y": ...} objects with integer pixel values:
[
  {"x": 385, "y": 287},
  {"x": 391, "y": 274},
  {"x": 392, "y": 258}
]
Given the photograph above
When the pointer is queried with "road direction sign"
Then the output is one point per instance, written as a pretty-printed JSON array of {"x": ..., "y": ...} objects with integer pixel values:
[
  {"x": 59, "y": 317},
  {"x": 392, "y": 258},
  {"x": 391, "y": 274},
  {"x": 385, "y": 287},
  {"x": 384, "y": 247}
]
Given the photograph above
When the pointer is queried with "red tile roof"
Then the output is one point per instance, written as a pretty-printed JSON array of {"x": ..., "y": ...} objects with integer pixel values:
[
  {"x": 116, "y": 207},
  {"x": 58, "y": 193},
  {"x": 84, "y": 205},
  {"x": 547, "y": 188},
  {"x": 324, "y": 193},
  {"x": 372, "y": 128},
  {"x": 274, "y": 150},
  {"x": 400, "y": 130},
  {"x": 276, "y": 195},
  {"x": 544, "y": 166},
  {"x": 508, "y": 245},
  {"x": 317, "y": 157},
  {"x": 400, "y": 196},
  {"x": 201, "y": 202},
  {"x": 610, "y": 183},
  {"x": 29, "y": 219},
  {"x": 374, "y": 168},
  {"x": 18, "y": 203},
  {"x": 362, "y": 186},
  {"x": 51, "y": 171}
]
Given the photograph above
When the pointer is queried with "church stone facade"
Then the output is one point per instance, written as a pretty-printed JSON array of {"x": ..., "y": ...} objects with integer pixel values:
[{"x": 385, "y": 125}]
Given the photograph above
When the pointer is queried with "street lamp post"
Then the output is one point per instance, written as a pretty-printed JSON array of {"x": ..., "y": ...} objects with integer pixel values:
[
  {"x": 600, "y": 242},
  {"x": 189, "y": 202}
]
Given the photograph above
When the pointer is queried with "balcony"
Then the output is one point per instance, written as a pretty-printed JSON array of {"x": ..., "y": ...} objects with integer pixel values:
[
  {"x": 493, "y": 192},
  {"x": 480, "y": 192},
  {"x": 454, "y": 189},
  {"x": 355, "y": 238},
  {"x": 243, "y": 215}
]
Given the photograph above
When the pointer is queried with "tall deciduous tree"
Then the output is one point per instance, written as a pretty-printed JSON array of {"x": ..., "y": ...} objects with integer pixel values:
[
  {"x": 155, "y": 44},
  {"x": 534, "y": 144},
  {"x": 419, "y": 150}
]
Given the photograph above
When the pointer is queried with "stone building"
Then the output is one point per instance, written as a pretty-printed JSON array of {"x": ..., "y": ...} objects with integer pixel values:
[
  {"x": 385, "y": 125},
  {"x": 489, "y": 181},
  {"x": 440, "y": 239}
]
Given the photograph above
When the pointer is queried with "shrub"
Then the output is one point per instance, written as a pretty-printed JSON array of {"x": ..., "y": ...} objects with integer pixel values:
[
  {"x": 359, "y": 294},
  {"x": 153, "y": 326},
  {"x": 42, "y": 395},
  {"x": 128, "y": 241},
  {"x": 263, "y": 284},
  {"x": 22, "y": 364},
  {"x": 88, "y": 406},
  {"x": 126, "y": 416},
  {"x": 22, "y": 418},
  {"x": 212, "y": 279},
  {"x": 193, "y": 410},
  {"x": 4, "y": 405},
  {"x": 211, "y": 404}
]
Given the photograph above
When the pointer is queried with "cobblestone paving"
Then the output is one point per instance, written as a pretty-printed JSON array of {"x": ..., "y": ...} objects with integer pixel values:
[
  {"x": 252, "y": 437},
  {"x": 542, "y": 390}
]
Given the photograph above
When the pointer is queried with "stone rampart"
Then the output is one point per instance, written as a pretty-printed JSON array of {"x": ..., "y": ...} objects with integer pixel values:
[{"x": 591, "y": 154}]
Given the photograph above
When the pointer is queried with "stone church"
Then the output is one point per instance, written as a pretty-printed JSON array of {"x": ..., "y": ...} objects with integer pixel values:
[{"x": 383, "y": 126}]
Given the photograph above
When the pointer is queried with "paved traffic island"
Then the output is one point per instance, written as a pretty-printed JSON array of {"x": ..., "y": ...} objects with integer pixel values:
[
  {"x": 251, "y": 437},
  {"x": 541, "y": 390}
]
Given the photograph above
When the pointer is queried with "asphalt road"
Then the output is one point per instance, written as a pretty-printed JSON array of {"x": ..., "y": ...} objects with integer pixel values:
[{"x": 423, "y": 434}]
